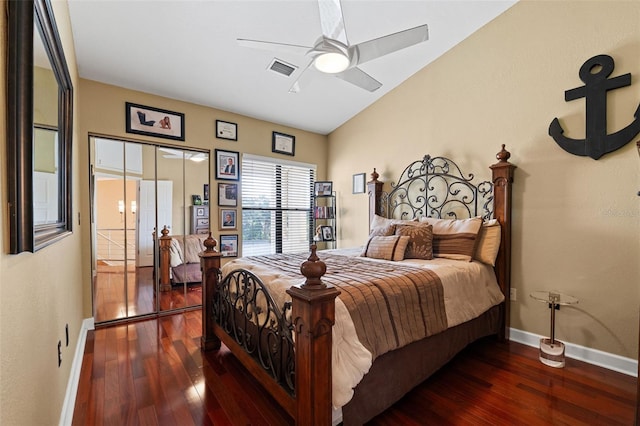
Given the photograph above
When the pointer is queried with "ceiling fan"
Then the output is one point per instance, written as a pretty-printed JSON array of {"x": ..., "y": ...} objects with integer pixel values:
[{"x": 333, "y": 54}]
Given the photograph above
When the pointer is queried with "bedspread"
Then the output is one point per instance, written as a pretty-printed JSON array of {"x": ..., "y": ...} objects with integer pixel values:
[
  {"x": 451, "y": 283},
  {"x": 390, "y": 305}
]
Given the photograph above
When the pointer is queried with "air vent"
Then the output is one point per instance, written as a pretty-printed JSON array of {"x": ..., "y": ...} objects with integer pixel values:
[{"x": 282, "y": 67}]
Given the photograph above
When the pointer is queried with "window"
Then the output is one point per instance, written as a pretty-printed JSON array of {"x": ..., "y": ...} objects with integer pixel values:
[{"x": 276, "y": 205}]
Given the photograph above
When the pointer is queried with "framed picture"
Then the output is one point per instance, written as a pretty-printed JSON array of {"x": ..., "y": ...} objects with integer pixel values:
[
  {"x": 226, "y": 130},
  {"x": 200, "y": 211},
  {"x": 326, "y": 233},
  {"x": 205, "y": 194},
  {"x": 227, "y": 219},
  {"x": 358, "y": 183},
  {"x": 283, "y": 144},
  {"x": 229, "y": 245},
  {"x": 148, "y": 121},
  {"x": 227, "y": 167},
  {"x": 228, "y": 194},
  {"x": 323, "y": 188}
]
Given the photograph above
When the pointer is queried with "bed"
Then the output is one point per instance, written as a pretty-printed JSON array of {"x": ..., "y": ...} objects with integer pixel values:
[
  {"x": 284, "y": 327},
  {"x": 179, "y": 260}
]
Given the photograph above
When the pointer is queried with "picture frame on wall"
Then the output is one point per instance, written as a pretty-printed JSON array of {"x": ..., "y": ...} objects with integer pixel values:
[
  {"x": 358, "y": 183},
  {"x": 149, "y": 121},
  {"x": 229, "y": 245},
  {"x": 323, "y": 188},
  {"x": 205, "y": 194},
  {"x": 228, "y": 219},
  {"x": 283, "y": 144},
  {"x": 228, "y": 194},
  {"x": 226, "y": 130},
  {"x": 227, "y": 166}
]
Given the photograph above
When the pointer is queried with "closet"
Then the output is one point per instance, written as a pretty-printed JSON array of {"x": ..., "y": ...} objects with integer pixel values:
[{"x": 137, "y": 189}]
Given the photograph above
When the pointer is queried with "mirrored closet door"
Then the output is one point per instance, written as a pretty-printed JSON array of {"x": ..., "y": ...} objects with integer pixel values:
[{"x": 145, "y": 245}]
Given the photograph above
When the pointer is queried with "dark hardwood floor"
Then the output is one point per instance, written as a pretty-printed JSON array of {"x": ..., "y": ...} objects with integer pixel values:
[
  {"x": 109, "y": 293},
  {"x": 153, "y": 373}
]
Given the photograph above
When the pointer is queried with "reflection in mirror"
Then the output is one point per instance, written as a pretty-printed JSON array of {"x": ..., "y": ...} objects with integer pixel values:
[
  {"x": 137, "y": 189},
  {"x": 196, "y": 215},
  {"x": 171, "y": 168},
  {"x": 188, "y": 171},
  {"x": 45, "y": 176},
  {"x": 46, "y": 154}
]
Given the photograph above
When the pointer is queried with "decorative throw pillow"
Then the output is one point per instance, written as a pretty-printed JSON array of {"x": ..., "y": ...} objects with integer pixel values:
[
  {"x": 383, "y": 231},
  {"x": 454, "y": 238},
  {"x": 383, "y": 222},
  {"x": 488, "y": 242},
  {"x": 388, "y": 248},
  {"x": 420, "y": 240}
]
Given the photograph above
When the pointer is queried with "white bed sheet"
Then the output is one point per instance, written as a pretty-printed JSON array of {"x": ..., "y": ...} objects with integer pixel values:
[{"x": 470, "y": 289}]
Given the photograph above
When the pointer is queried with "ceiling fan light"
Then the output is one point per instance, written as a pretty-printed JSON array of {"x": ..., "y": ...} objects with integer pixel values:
[{"x": 331, "y": 62}]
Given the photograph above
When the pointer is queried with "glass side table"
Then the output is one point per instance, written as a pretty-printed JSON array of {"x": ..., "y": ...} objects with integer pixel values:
[{"x": 552, "y": 350}]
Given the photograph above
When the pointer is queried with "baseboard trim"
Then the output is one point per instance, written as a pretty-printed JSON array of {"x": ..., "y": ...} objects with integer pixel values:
[
  {"x": 66, "y": 416},
  {"x": 606, "y": 360}
]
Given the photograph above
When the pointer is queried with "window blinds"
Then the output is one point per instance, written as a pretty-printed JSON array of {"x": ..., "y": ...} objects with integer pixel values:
[{"x": 276, "y": 205}]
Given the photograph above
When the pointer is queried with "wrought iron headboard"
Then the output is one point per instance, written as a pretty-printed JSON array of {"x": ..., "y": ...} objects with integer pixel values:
[{"x": 436, "y": 187}]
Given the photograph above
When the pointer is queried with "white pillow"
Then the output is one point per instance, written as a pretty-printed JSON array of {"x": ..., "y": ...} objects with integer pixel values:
[
  {"x": 176, "y": 257},
  {"x": 383, "y": 222}
]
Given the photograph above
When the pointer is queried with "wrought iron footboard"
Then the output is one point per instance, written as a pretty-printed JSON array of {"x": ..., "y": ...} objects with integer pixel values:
[{"x": 245, "y": 310}]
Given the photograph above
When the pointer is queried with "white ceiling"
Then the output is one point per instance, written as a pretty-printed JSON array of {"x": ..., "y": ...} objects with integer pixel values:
[{"x": 187, "y": 50}]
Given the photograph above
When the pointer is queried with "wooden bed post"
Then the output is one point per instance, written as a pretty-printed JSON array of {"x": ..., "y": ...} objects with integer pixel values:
[
  {"x": 374, "y": 188},
  {"x": 313, "y": 313},
  {"x": 502, "y": 180},
  {"x": 210, "y": 265},
  {"x": 164, "y": 245}
]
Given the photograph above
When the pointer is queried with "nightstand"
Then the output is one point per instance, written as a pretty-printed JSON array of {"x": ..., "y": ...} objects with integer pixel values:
[{"x": 552, "y": 350}]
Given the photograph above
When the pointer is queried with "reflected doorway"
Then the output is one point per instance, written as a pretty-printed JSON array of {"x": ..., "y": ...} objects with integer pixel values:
[{"x": 139, "y": 190}]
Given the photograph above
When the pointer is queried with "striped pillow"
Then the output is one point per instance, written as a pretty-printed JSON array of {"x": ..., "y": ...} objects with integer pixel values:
[
  {"x": 454, "y": 238},
  {"x": 388, "y": 248}
]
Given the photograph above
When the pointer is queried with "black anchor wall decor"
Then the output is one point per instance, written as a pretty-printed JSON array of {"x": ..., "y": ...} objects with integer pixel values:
[{"x": 594, "y": 73}]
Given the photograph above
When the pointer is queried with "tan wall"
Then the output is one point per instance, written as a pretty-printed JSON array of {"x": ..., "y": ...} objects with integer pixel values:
[
  {"x": 110, "y": 192},
  {"x": 39, "y": 292},
  {"x": 576, "y": 220},
  {"x": 103, "y": 112}
]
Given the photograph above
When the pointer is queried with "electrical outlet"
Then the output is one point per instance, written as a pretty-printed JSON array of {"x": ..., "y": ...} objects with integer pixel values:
[{"x": 513, "y": 295}]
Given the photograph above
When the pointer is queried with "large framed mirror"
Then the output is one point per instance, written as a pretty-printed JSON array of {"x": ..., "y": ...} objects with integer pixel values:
[{"x": 39, "y": 128}]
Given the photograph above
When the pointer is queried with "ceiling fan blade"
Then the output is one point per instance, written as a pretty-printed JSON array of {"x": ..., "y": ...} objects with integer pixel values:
[
  {"x": 360, "y": 78},
  {"x": 372, "y": 49},
  {"x": 273, "y": 46},
  {"x": 332, "y": 20},
  {"x": 303, "y": 80}
]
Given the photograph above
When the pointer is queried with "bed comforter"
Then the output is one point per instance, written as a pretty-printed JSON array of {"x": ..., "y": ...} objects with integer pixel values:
[{"x": 383, "y": 305}]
